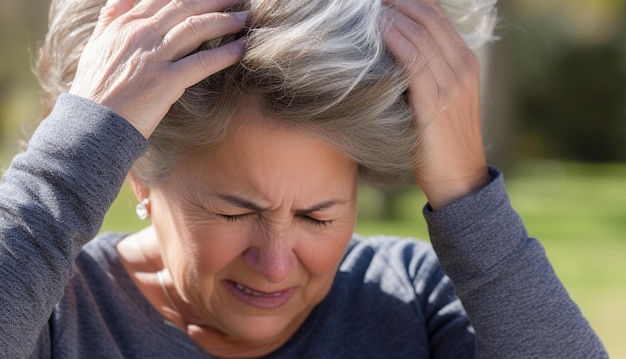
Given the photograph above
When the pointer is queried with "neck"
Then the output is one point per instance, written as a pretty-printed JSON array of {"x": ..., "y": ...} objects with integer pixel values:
[
  {"x": 166, "y": 292},
  {"x": 224, "y": 346},
  {"x": 140, "y": 256}
]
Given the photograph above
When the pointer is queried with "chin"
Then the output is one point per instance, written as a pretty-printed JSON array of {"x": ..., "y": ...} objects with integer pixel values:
[{"x": 265, "y": 328}]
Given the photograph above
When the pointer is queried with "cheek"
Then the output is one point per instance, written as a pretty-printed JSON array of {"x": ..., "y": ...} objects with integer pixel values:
[
  {"x": 212, "y": 249},
  {"x": 321, "y": 254},
  {"x": 203, "y": 253}
]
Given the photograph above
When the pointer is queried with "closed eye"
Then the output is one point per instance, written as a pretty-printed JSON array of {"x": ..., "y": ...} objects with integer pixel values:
[
  {"x": 234, "y": 218},
  {"x": 317, "y": 222},
  {"x": 241, "y": 217}
]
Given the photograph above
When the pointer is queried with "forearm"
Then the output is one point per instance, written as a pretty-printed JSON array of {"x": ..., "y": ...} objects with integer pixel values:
[
  {"x": 52, "y": 201},
  {"x": 516, "y": 303}
]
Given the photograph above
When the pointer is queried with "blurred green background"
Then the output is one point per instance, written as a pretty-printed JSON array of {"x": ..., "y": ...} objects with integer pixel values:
[{"x": 554, "y": 121}]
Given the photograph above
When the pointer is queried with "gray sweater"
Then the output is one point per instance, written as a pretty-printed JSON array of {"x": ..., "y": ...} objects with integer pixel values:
[{"x": 391, "y": 297}]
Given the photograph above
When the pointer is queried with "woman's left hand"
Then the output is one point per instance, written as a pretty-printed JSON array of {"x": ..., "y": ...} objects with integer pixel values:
[{"x": 444, "y": 93}]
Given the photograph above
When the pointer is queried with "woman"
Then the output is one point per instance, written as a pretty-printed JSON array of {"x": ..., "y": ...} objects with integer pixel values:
[{"x": 250, "y": 181}]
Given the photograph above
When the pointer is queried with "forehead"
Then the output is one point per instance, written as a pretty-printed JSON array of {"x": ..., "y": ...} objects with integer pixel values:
[{"x": 264, "y": 156}]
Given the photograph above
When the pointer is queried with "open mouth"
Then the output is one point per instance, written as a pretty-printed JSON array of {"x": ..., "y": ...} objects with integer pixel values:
[
  {"x": 259, "y": 299},
  {"x": 257, "y": 294}
]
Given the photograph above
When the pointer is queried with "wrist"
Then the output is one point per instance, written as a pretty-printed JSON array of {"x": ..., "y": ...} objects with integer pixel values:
[{"x": 443, "y": 190}]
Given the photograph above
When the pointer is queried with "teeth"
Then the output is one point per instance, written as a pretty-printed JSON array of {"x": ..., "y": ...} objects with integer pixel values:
[{"x": 256, "y": 294}]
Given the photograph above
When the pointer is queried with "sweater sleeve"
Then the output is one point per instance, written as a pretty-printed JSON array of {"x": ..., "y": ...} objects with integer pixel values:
[
  {"x": 516, "y": 303},
  {"x": 53, "y": 199}
]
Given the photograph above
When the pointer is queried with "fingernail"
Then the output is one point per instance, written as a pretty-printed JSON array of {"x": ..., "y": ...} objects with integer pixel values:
[{"x": 241, "y": 15}]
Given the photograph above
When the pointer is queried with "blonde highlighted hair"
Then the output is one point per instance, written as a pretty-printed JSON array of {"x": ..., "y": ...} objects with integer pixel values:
[{"x": 316, "y": 65}]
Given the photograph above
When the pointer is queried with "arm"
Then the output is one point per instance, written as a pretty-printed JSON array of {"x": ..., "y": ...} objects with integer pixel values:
[
  {"x": 55, "y": 195},
  {"x": 52, "y": 201},
  {"x": 516, "y": 303}
]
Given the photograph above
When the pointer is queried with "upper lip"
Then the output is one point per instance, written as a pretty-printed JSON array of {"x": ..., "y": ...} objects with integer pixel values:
[{"x": 253, "y": 290}]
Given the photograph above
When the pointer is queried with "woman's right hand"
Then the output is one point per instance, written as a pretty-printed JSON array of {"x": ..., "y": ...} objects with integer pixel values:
[{"x": 137, "y": 61}]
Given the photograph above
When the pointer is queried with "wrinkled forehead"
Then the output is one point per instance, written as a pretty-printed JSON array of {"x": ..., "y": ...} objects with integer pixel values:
[{"x": 270, "y": 161}]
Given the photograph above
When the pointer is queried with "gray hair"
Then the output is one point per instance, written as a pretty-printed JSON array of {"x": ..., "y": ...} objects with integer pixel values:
[{"x": 318, "y": 66}]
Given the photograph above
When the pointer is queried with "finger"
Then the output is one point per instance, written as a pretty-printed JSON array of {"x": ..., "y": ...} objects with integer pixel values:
[
  {"x": 176, "y": 11},
  {"x": 423, "y": 80},
  {"x": 415, "y": 47},
  {"x": 124, "y": 6},
  {"x": 198, "y": 66},
  {"x": 147, "y": 8},
  {"x": 431, "y": 16},
  {"x": 108, "y": 13},
  {"x": 189, "y": 35}
]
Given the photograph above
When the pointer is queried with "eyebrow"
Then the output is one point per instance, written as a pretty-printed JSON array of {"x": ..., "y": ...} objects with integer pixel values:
[
  {"x": 318, "y": 207},
  {"x": 244, "y": 203}
]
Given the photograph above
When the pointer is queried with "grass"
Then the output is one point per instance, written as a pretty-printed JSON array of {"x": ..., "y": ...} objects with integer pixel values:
[
  {"x": 579, "y": 214},
  {"x": 577, "y": 211}
]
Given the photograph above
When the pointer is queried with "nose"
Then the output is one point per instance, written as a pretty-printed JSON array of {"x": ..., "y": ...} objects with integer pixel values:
[{"x": 273, "y": 257}]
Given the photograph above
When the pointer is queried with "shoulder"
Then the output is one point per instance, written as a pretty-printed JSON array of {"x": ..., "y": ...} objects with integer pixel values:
[
  {"x": 390, "y": 296},
  {"x": 405, "y": 268},
  {"x": 98, "y": 268},
  {"x": 102, "y": 311},
  {"x": 398, "y": 252},
  {"x": 387, "y": 243},
  {"x": 101, "y": 249}
]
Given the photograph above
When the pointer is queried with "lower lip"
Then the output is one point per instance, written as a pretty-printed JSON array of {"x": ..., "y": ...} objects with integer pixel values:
[{"x": 261, "y": 302}]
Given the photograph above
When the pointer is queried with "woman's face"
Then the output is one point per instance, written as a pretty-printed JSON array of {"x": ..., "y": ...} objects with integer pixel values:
[{"x": 253, "y": 233}]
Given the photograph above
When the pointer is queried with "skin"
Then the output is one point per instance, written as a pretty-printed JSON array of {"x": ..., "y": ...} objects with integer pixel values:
[
  {"x": 272, "y": 210},
  {"x": 444, "y": 93},
  {"x": 145, "y": 70}
]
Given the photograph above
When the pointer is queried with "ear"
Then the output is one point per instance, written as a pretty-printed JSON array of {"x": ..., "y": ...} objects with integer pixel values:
[{"x": 141, "y": 191}]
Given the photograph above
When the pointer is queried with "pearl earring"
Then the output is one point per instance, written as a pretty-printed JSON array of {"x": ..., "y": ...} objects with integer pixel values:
[{"x": 142, "y": 210}]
